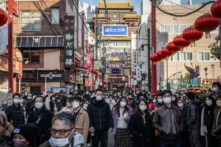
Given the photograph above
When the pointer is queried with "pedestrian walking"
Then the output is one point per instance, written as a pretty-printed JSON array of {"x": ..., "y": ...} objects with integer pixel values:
[{"x": 216, "y": 131}]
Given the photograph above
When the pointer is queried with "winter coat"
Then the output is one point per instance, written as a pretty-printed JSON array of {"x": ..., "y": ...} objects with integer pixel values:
[
  {"x": 142, "y": 133},
  {"x": 100, "y": 115},
  {"x": 87, "y": 97},
  {"x": 15, "y": 115},
  {"x": 217, "y": 122},
  {"x": 115, "y": 118},
  {"x": 30, "y": 105},
  {"x": 78, "y": 141},
  {"x": 168, "y": 121},
  {"x": 193, "y": 115},
  {"x": 44, "y": 124},
  {"x": 82, "y": 124}
]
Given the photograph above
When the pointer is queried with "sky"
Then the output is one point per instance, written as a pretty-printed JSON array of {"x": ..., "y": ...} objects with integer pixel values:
[{"x": 137, "y": 3}]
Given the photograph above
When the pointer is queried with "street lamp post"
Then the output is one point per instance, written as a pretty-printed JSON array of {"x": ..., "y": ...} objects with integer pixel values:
[
  {"x": 213, "y": 70},
  {"x": 205, "y": 69}
]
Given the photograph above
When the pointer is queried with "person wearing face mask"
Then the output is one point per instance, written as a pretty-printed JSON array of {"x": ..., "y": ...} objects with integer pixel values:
[
  {"x": 25, "y": 135},
  {"x": 185, "y": 142},
  {"x": 174, "y": 100},
  {"x": 87, "y": 96},
  {"x": 159, "y": 100},
  {"x": 63, "y": 133},
  {"x": 15, "y": 113},
  {"x": 193, "y": 119},
  {"x": 42, "y": 118},
  {"x": 216, "y": 88},
  {"x": 100, "y": 119},
  {"x": 168, "y": 121},
  {"x": 207, "y": 118},
  {"x": 81, "y": 117},
  {"x": 140, "y": 125},
  {"x": 68, "y": 106},
  {"x": 30, "y": 105},
  {"x": 216, "y": 130},
  {"x": 121, "y": 114}
]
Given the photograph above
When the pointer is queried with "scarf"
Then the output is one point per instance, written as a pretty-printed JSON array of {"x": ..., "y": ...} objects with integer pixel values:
[
  {"x": 38, "y": 112},
  {"x": 208, "y": 117}
]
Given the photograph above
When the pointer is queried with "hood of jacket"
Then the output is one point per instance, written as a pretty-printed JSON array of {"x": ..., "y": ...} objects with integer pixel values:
[{"x": 98, "y": 103}]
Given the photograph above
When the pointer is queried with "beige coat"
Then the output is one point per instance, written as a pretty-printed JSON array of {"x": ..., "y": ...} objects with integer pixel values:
[{"x": 82, "y": 124}]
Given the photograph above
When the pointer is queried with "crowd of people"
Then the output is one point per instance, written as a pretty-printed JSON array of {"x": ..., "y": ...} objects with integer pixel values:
[{"x": 135, "y": 118}]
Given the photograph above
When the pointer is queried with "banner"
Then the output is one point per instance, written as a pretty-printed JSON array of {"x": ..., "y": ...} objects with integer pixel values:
[
  {"x": 138, "y": 74},
  {"x": 3, "y": 38},
  {"x": 115, "y": 30}
]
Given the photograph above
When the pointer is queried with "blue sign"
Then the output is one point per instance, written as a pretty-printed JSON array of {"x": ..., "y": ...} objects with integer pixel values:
[
  {"x": 114, "y": 31},
  {"x": 115, "y": 71},
  {"x": 58, "y": 89}
]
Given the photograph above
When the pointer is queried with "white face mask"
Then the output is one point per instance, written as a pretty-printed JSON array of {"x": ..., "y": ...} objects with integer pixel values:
[
  {"x": 173, "y": 99},
  {"x": 214, "y": 88},
  {"x": 209, "y": 103},
  {"x": 154, "y": 101},
  {"x": 85, "y": 106},
  {"x": 16, "y": 101},
  {"x": 218, "y": 103},
  {"x": 75, "y": 104},
  {"x": 38, "y": 105},
  {"x": 180, "y": 105},
  {"x": 143, "y": 108},
  {"x": 59, "y": 142},
  {"x": 167, "y": 100},
  {"x": 123, "y": 104},
  {"x": 53, "y": 98},
  {"x": 29, "y": 97},
  {"x": 98, "y": 98},
  {"x": 160, "y": 100}
]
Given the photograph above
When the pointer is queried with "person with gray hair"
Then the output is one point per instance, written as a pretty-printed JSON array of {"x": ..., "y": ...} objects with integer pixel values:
[{"x": 63, "y": 133}]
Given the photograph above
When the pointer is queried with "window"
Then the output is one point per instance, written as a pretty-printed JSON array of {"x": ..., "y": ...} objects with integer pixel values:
[
  {"x": 30, "y": 21},
  {"x": 181, "y": 56},
  {"x": 55, "y": 15},
  {"x": 205, "y": 56},
  {"x": 33, "y": 56},
  {"x": 173, "y": 28}
]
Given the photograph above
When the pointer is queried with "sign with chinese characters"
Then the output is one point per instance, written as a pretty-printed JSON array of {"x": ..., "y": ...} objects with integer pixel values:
[
  {"x": 68, "y": 41},
  {"x": 138, "y": 74},
  {"x": 89, "y": 61},
  {"x": 115, "y": 30},
  {"x": 58, "y": 89},
  {"x": 115, "y": 71}
]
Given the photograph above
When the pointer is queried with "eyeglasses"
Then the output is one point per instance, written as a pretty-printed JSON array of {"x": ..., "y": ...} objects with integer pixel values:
[{"x": 60, "y": 132}]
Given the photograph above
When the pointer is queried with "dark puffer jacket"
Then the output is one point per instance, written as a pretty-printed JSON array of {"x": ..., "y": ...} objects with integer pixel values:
[
  {"x": 193, "y": 115},
  {"x": 15, "y": 115},
  {"x": 100, "y": 115}
]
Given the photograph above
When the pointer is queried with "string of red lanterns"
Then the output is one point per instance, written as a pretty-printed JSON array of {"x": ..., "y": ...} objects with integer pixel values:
[{"x": 205, "y": 23}]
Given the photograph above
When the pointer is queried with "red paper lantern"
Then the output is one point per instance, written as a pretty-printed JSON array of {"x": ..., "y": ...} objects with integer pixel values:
[
  {"x": 161, "y": 55},
  {"x": 171, "y": 47},
  {"x": 192, "y": 34},
  {"x": 206, "y": 23},
  {"x": 215, "y": 9},
  {"x": 3, "y": 17},
  {"x": 154, "y": 58},
  {"x": 166, "y": 52},
  {"x": 181, "y": 42}
]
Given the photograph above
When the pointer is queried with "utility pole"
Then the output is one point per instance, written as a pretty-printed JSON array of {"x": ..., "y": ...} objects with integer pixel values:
[
  {"x": 153, "y": 34},
  {"x": 10, "y": 47},
  {"x": 96, "y": 45},
  {"x": 148, "y": 59},
  {"x": 82, "y": 44}
]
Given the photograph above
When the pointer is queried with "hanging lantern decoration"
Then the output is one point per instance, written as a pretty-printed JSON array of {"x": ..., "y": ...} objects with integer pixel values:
[
  {"x": 154, "y": 58},
  {"x": 3, "y": 17},
  {"x": 166, "y": 52},
  {"x": 206, "y": 23},
  {"x": 171, "y": 47},
  {"x": 181, "y": 42},
  {"x": 215, "y": 9},
  {"x": 192, "y": 34},
  {"x": 161, "y": 55}
]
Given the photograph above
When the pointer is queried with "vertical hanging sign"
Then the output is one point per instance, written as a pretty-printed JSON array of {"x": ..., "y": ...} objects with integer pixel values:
[
  {"x": 68, "y": 41},
  {"x": 138, "y": 75}
]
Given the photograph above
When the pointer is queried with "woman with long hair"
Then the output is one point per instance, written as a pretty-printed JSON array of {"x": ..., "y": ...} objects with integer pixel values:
[
  {"x": 216, "y": 131},
  {"x": 140, "y": 125},
  {"x": 121, "y": 114}
]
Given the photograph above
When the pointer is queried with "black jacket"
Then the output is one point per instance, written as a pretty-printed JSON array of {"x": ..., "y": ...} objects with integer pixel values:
[
  {"x": 30, "y": 105},
  {"x": 87, "y": 97},
  {"x": 142, "y": 133},
  {"x": 217, "y": 122},
  {"x": 193, "y": 115},
  {"x": 15, "y": 115},
  {"x": 100, "y": 115},
  {"x": 43, "y": 125}
]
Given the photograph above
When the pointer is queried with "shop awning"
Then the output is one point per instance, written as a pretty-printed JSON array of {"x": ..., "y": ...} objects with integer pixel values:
[{"x": 81, "y": 68}]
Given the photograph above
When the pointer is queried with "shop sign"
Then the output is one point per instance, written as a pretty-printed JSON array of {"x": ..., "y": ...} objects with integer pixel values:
[{"x": 68, "y": 41}]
